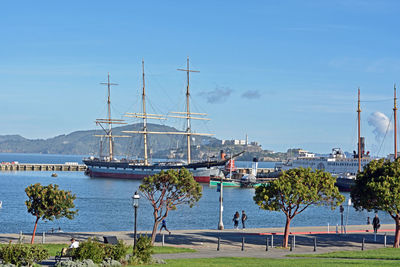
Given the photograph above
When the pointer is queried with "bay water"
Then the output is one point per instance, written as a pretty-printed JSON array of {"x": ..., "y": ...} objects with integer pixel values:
[{"x": 106, "y": 204}]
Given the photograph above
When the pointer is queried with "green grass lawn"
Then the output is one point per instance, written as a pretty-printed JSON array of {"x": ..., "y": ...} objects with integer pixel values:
[
  {"x": 169, "y": 250},
  {"x": 276, "y": 262},
  {"x": 382, "y": 253}
]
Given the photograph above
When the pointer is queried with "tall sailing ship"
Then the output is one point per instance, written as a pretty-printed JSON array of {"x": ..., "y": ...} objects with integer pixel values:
[{"x": 110, "y": 167}]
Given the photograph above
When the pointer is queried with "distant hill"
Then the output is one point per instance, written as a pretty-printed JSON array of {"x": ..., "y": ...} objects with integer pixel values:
[
  {"x": 85, "y": 143},
  {"x": 159, "y": 146}
]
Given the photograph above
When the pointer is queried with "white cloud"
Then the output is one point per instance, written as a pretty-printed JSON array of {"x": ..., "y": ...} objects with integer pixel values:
[{"x": 381, "y": 123}]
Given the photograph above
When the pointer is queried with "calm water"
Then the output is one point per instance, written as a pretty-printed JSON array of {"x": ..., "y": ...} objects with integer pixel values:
[{"x": 105, "y": 204}]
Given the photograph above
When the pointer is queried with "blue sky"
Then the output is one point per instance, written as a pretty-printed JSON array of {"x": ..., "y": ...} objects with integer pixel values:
[{"x": 284, "y": 72}]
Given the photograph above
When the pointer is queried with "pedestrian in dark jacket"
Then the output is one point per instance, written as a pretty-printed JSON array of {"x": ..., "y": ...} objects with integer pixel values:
[
  {"x": 236, "y": 220},
  {"x": 376, "y": 223},
  {"x": 244, "y": 218}
]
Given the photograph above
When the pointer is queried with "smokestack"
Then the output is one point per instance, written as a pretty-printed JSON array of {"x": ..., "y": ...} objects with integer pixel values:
[
  {"x": 362, "y": 144},
  {"x": 255, "y": 166},
  {"x": 222, "y": 153}
]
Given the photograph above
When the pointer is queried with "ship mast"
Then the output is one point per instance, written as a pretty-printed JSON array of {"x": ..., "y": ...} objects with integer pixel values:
[
  {"x": 109, "y": 133},
  {"x": 181, "y": 115},
  {"x": 144, "y": 118},
  {"x": 109, "y": 121},
  {"x": 359, "y": 130},
  {"x": 395, "y": 123},
  {"x": 188, "y": 130}
]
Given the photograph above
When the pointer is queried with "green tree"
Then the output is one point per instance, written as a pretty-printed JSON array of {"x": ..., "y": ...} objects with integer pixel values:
[
  {"x": 49, "y": 203},
  {"x": 295, "y": 190},
  {"x": 166, "y": 190},
  {"x": 377, "y": 187}
]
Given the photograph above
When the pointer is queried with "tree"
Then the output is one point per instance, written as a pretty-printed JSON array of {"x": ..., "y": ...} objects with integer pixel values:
[
  {"x": 377, "y": 187},
  {"x": 295, "y": 190},
  {"x": 49, "y": 203},
  {"x": 166, "y": 190}
]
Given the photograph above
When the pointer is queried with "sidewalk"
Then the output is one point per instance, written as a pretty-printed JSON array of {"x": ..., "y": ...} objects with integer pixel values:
[{"x": 205, "y": 241}]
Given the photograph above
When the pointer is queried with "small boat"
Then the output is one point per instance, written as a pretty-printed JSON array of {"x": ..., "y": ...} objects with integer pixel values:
[
  {"x": 345, "y": 182},
  {"x": 249, "y": 180},
  {"x": 1, "y": 204},
  {"x": 225, "y": 183},
  {"x": 54, "y": 174}
]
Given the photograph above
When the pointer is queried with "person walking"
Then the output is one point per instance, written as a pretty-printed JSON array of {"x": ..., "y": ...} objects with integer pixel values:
[
  {"x": 376, "y": 223},
  {"x": 244, "y": 218},
  {"x": 164, "y": 226},
  {"x": 236, "y": 220}
]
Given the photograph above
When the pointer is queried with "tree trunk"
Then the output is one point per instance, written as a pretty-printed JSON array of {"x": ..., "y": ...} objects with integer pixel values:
[
  {"x": 397, "y": 233},
  {"x": 34, "y": 230},
  {"x": 156, "y": 222},
  {"x": 154, "y": 232},
  {"x": 286, "y": 236}
]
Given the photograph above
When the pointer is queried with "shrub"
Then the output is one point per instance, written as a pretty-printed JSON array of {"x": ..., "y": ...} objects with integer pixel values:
[
  {"x": 116, "y": 252},
  {"x": 19, "y": 254},
  {"x": 110, "y": 263},
  {"x": 91, "y": 249},
  {"x": 142, "y": 252},
  {"x": 69, "y": 263},
  {"x": 97, "y": 251}
]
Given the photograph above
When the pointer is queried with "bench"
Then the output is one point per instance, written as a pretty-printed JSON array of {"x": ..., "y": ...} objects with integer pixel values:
[
  {"x": 110, "y": 240},
  {"x": 63, "y": 254}
]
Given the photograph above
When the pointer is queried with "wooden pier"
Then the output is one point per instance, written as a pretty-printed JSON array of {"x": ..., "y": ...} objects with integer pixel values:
[
  {"x": 7, "y": 166},
  {"x": 42, "y": 167}
]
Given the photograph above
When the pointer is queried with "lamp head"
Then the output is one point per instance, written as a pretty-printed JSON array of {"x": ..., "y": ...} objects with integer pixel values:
[{"x": 135, "y": 200}]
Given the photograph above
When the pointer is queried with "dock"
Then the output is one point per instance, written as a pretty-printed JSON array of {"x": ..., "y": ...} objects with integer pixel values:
[
  {"x": 67, "y": 167},
  {"x": 74, "y": 166}
]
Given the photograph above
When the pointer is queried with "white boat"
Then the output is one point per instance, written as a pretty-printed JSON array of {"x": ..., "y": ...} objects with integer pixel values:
[{"x": 336, "y": 162}]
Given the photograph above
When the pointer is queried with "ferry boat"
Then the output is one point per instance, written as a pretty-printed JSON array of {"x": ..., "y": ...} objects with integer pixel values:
[
  {"x": 110, "y": 167},
  {"x": 336, "y": 162}
]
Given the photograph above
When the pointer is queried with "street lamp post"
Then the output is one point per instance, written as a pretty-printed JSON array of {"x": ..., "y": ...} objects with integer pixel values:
[
  {"x": 221, "y": 207},
  {"x": 341, "y": 218},
  {"x": 135, "y": 203}
]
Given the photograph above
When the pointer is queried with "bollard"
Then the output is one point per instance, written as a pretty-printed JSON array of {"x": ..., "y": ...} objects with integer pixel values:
[
  {"x": 218, "y": 244},
  {"x": 337, "y": 228},
  {"x": 362, "y": 244},
  {"x": 43, "y": 238},
  {"x": 272, "y": 241},
  {"x": 266, "y": 244},
  {"x": 163, "y": 239},
  {"x": 315, "y": 244},
  {"x": 328, "y": 228},
  {"x": 242, "y": 243},
  {"x": 20, "y": 238},
  {"x": 384, "y": 240},
  {"x": 294, "y": 241},
  {"x": 291, "y": 244}
]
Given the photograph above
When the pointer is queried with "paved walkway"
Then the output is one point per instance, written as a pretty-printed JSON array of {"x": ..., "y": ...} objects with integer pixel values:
[{"x": 205, "y": 241}]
